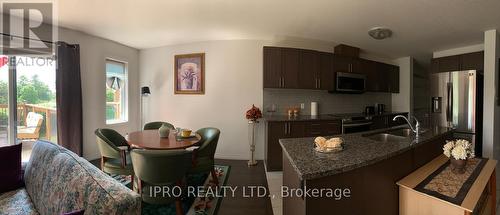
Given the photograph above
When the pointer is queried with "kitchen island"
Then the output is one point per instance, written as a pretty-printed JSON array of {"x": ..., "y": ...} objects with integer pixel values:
[{"x": 362, "y": 178}]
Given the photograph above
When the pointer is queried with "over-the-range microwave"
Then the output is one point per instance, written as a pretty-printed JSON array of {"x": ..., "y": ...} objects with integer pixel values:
[{"x": 346, "y": 82}]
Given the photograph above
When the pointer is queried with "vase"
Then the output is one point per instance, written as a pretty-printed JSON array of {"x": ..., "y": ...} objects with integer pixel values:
[
  {"x": 251, "y": 137},
  {"x": 164, "y": 131},
  {"x": 457, "y": 166}
]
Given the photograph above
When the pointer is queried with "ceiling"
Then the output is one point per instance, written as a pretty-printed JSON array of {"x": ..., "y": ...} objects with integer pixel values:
[{"x": 419, "y": 26}]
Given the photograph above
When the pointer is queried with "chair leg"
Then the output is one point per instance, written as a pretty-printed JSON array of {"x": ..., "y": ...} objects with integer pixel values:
[
  {"x": 178, "y": 207},
  {"x": 132, "y": 181},
  {"x": 214, "y": 176},
  {"x": 102, "y": 163}
]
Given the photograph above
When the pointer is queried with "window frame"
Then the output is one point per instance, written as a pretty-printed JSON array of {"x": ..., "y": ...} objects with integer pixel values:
[{"x": 124, "y": 97}]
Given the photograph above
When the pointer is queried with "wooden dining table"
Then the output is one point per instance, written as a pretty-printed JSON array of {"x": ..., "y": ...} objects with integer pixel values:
[{"x": 150, "y": 139}]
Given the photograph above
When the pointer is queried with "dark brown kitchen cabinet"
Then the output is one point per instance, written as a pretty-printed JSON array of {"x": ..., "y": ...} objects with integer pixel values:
[
  {"x": 346, "y": 64},
  {"x": 450, "y": 63},
  {"x": 326, "y": 76},
  {"x": 472, "y": 61},
  {"x": 469, "y": 61},
  {"x": 372, "y": 76},
  {"x": 316, "y": 70},
  {"x": 291, "y": 68},
  {"x": 294, "y": 129},
  {"x": 290, "y": 71},
  {"x": 275, "y": 132},
  {"x": 281, "y": 67},
  {"x": 308, "y": 70},
  {"x": 380, "y": 77},
  {"x": 322, "y": 128},
  {"x": 393, "y": 79},
  {"x": 272, "y": 67}
]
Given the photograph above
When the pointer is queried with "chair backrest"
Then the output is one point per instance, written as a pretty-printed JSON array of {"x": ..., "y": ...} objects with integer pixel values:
[
  {"x": 160, "y": 167},
  {"x": 108, "y": 141},
  {"x": 157, "y": 125},
  {"x": 209, "y": 139},
  {"x": 34, "y": 120}
]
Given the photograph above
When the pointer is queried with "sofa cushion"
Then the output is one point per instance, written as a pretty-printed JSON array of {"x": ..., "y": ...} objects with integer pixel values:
[
  {"x": 60, "y": 181},
  {"x": 10, "y": 167},
  {"x": 16, "y": 202}
]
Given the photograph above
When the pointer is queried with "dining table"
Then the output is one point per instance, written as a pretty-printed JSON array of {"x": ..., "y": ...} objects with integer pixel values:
[{"x": 150, "y": 139}]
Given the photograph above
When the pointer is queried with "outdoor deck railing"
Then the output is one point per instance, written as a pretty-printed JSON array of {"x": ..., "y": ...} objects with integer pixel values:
[{"x": 22, "y": 112}]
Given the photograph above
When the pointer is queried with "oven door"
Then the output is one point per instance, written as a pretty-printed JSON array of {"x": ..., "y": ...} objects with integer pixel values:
[
  {"x": 348, "y": 128},
  {"x": 350, "y": 82}
]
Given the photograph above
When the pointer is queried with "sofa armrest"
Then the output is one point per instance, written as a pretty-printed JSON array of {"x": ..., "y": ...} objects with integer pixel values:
[{"x": 23, "y": 169}]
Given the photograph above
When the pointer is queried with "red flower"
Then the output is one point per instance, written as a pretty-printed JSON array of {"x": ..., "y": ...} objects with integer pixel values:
[{"x": 254, "y": 113}]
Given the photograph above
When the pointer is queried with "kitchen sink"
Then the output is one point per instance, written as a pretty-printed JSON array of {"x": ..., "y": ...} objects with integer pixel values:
[
  {"x": 385, "y": 137},
  {"x": 404, "y": 132}
]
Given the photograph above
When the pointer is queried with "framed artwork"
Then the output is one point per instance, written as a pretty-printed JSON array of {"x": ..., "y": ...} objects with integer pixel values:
[{"x": 189, "y": 74}]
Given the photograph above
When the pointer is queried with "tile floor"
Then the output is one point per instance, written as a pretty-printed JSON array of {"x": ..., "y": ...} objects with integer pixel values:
[{"x": 274, "y": 182}]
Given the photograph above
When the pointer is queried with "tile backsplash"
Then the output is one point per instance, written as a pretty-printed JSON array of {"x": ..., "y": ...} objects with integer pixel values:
[{"x": 327, "y": 102}]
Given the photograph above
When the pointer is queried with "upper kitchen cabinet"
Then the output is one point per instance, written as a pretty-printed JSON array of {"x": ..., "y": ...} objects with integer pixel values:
[
  {"x": 380, "y": 77},
  {"x": 326, "y": 74},
  {"x": 281, "y": 67},
  {"x": 346, "y": 64},
  {"x": 290, "y": 67},
  {"x": 472, "y": 61},
  {"x": 448, "y": 64},
  {"x": 469, "y": 61},
  {"x": 272, "y": 67},
  {"x": 308, "y": 70},
  {"x": 315, "y": 70}
]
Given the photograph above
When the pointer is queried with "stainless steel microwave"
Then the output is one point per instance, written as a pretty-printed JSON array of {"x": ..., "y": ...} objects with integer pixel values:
[{"x": 346, "y": 82}]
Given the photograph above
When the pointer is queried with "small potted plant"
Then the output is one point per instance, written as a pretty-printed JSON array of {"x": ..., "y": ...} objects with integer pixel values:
[{"x": 458, "y": 151}]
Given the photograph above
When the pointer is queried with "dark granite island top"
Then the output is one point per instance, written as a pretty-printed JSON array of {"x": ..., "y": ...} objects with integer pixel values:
[{"x": 358, "y": 151}]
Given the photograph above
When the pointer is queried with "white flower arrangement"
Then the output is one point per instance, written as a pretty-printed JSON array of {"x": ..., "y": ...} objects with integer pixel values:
[{"x": 458, "y": 149}]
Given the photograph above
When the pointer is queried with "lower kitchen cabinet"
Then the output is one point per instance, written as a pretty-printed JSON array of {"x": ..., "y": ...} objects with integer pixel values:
[{"x": 294, "y": 129}]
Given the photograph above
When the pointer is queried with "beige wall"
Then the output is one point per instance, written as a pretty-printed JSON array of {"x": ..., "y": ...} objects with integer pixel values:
[
  {"x": 93, "y": 52},
  {"x": 233, "y": 71},
  {"x": 233, "y": 83},
  {"x": 402, "y": 101}
]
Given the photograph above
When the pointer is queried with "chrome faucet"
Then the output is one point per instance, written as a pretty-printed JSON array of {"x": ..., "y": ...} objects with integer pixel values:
[{"x": 415, "y": 130}]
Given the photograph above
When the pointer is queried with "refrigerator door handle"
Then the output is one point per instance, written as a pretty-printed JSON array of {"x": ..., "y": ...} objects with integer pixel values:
[{"x": 449, "y": 100}]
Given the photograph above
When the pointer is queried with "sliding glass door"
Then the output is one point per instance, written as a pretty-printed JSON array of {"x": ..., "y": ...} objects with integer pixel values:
[{"x": 27, "y": 100}]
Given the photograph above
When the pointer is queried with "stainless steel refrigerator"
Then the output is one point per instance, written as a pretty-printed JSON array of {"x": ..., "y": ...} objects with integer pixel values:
[{"x": 457, "y": 101}]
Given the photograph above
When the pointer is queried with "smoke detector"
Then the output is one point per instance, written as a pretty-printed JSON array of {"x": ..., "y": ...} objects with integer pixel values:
[{"x": 380, "y": 33}]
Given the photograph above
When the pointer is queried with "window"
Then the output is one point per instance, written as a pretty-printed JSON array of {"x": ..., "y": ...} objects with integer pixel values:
[{"x": 116, "y": 92}]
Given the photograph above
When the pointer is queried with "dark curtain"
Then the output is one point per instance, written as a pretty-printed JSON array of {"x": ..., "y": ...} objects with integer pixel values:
[{"x": 69, "y": 97}]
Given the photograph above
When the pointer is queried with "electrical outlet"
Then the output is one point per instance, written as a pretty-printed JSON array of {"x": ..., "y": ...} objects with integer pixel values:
[{"x": 302, "y": 106}]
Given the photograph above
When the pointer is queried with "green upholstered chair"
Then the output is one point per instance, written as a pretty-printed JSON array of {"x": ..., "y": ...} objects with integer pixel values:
[
  {"x": 157, "y": 125},
  {"x": 160, "y": 168},
  {"x": 115, "y": 158},
  {"x": 204, "y": 156}
]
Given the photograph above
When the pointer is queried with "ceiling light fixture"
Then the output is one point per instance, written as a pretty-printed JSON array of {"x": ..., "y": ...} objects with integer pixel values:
[{"x": 380, "y": 33}]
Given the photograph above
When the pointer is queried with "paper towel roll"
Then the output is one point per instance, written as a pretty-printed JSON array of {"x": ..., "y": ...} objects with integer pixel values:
[{"x": 314, "y": 108}]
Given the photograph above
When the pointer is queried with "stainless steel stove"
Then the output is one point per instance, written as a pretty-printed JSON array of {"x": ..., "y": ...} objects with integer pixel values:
[{"x": 355, "y": 122}]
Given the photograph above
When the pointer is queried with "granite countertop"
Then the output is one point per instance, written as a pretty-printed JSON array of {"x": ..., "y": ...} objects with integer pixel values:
[
  {"x": 286, "y": 118},
  {"x": 358, "y": 151}
]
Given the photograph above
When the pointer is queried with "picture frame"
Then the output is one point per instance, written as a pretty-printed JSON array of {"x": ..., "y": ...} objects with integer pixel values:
[{"x": 189, "y": 73}]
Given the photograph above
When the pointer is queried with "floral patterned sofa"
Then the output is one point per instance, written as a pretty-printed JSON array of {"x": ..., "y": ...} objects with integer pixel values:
[{"x": 58, "y": 181}]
